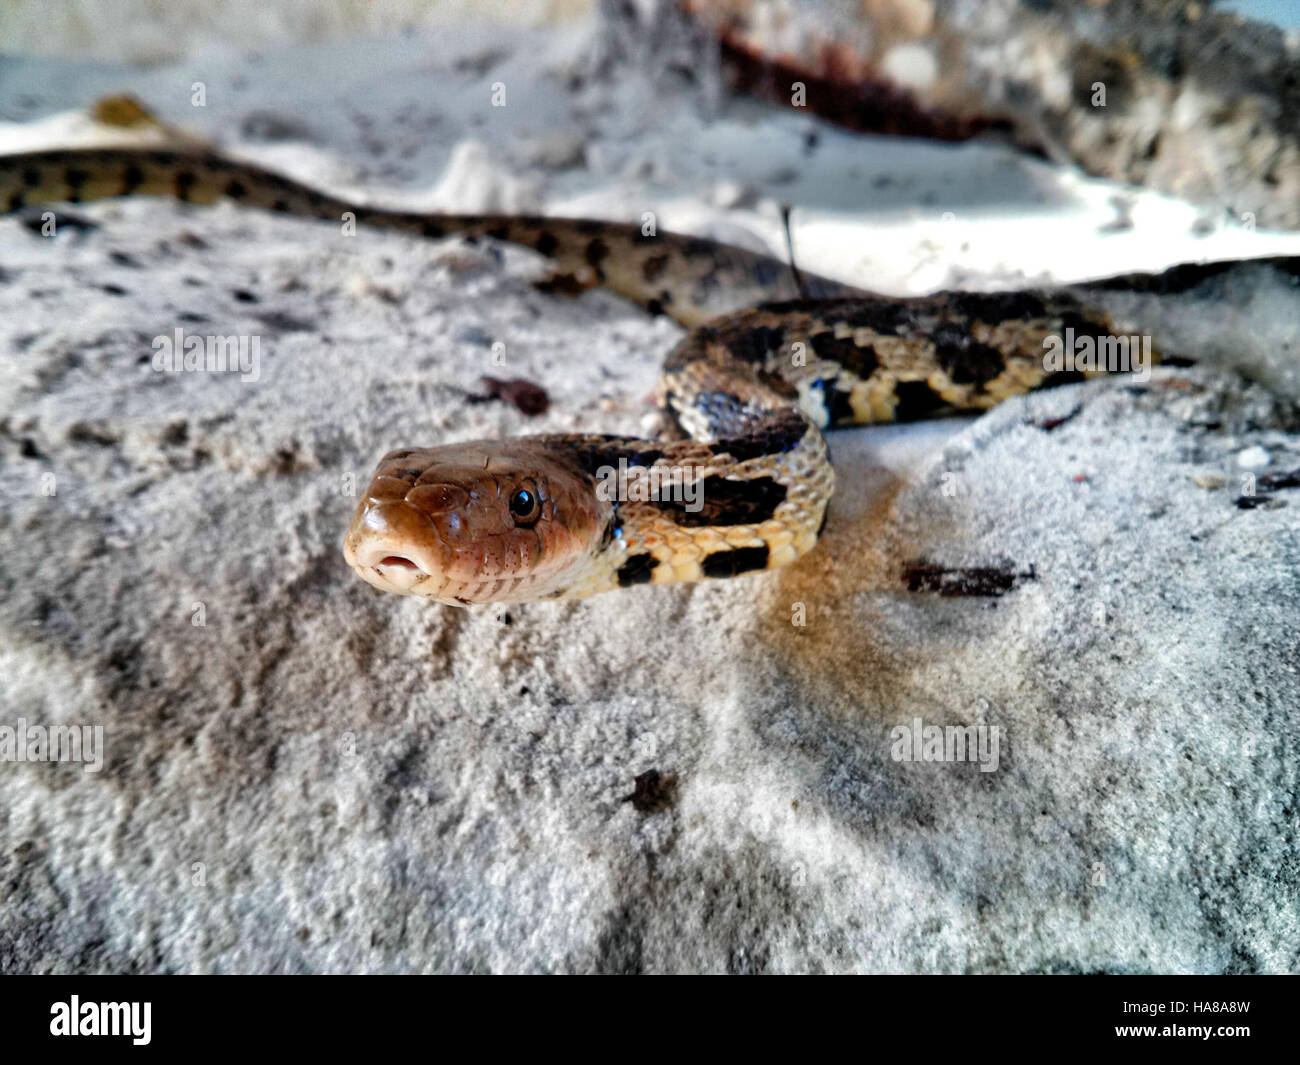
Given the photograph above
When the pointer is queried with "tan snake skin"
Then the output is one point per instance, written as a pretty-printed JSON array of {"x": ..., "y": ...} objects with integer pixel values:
[{"x": 743, "y": 485}]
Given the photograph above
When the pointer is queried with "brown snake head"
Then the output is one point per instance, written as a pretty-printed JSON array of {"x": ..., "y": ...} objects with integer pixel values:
[{"x": 473, "y": 523}]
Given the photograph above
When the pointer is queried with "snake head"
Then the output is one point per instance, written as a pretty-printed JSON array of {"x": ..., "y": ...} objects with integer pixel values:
[{"x": 475, "y": 523}]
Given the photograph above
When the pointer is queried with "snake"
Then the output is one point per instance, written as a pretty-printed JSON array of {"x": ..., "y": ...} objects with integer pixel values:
[{"x": 738, "y": 481}]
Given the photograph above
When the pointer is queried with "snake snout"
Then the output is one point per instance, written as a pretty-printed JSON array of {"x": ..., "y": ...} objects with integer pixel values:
[{"x": 393, "y": 546}]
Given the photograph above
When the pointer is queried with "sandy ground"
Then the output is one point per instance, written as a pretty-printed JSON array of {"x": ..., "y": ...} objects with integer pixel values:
[{"x": 302, "y": 774}]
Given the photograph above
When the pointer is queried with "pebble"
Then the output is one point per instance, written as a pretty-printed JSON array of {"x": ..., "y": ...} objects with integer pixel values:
[{"x": 1253, "y": 458}]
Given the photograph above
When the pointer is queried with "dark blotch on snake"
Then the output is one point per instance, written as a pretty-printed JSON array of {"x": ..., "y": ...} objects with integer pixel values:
[
  {"x": 753, "y": 345},
  {"x": 652, "y": 269},
  {"x": 132, "y": 178},
  {"x": 561, "y": 283},
  {"x": 546, "y": 243},
  {"x": 727, "y": 502},
  {"x": 995, "y": 307},
  {"x": 774, "y": 435},
  {"x": 856, "y": 358},
  {"x": 596, "y": 451},
  {"x": 235, "y": 189},
  {"x": 636, "y": 570},
  {"x": 184, "y": 181},
  {"x": 888, "y": 319},
  {"x": 1083, "y": 326},
  {"x": 916, "y": 400},
  {"x": 597, "y": 252},
  {"x": 735, "y": 562},
  {"x": 964, "y": 359}
]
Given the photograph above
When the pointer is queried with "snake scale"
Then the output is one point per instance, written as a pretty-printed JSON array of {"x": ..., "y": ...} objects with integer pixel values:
[{"x": 740, "y": 481}]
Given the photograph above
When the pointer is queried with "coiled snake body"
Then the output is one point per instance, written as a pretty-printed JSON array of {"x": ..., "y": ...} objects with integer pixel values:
[{"x": 739, "y": 484}]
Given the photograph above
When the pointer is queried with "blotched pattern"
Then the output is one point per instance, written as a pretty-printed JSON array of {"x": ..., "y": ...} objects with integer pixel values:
[{"x": 744, "y": 485}]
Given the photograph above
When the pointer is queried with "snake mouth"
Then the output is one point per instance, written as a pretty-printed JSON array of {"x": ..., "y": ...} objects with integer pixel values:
[
  {"x": 395, "y": 573},
  {"x": 391, "y": 547},
  {"x": 392, "y": 573}
]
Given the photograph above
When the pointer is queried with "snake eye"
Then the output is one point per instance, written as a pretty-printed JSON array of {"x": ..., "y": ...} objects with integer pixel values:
[{"x": 525, "y": 507}]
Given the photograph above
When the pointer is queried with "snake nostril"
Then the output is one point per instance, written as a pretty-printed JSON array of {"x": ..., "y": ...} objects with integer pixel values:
[{"x": 398, "y": 561}]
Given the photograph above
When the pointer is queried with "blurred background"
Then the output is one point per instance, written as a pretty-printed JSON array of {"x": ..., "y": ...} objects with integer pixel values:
[{"x": 937, "y": 143}]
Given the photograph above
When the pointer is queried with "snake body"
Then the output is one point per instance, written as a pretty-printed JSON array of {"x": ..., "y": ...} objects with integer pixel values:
[{"x": 741, "y": 481}]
